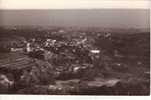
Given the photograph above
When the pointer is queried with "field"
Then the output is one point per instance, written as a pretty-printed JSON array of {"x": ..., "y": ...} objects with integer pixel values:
[{"x": 121, "y": 65}]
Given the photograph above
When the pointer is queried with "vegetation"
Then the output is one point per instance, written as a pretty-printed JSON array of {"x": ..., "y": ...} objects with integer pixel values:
[{"x": 119, "y": 67}]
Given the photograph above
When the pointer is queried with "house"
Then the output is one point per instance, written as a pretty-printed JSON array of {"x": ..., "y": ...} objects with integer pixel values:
[{"x": 17, "y": 49}]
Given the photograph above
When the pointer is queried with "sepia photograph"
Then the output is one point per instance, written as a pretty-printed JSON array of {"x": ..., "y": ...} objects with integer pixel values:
[{"x": 75, "y": 52}]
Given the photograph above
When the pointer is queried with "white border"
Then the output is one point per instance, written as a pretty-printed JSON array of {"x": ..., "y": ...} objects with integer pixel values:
[
  {"x": 62, "y": 97},
  {"x": 74, "y": 4}
]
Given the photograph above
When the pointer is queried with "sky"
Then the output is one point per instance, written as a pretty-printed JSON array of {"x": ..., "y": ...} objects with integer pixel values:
[{"x": 114, "y": 18}]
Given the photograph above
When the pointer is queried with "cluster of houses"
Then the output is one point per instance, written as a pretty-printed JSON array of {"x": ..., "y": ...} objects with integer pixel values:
[{"x": 49, "y": 45}]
